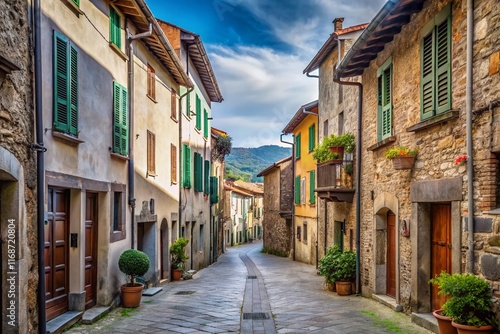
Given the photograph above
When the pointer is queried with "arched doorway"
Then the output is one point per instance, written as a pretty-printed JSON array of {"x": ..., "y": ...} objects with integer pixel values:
[{"x": 164, "y": 250}]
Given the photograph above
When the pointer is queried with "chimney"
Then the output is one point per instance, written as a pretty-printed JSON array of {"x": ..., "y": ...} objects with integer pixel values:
[{"x": 337, "y": 23}]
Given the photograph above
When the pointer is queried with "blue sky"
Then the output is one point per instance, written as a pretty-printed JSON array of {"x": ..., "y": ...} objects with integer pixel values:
[{"x": 258, "y": 49}]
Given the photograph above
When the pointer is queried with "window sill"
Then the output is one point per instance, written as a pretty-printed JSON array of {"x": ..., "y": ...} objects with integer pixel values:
[
  {"x": 119, "y": 156},
  {"x": 197, "y": 130},
  {"x": 67, "y": 138},
  {"x": 116, "y": 236},
  {"x": 447, "y": 116},
  {"x": 382, "y": 143},
  {"x": 149, "y": 174},
  {"x": 494, "y": 212},
  {"x": 174, "y": 119},
  {"x": 151, "y": 98},
  {"x": 118, "y": 51},
  {"x": 74, "y": 8}
]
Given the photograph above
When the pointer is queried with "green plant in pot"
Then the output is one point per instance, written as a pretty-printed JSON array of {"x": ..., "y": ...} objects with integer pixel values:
[
  {"x": 326, "y": 264},
  {"x": 322, "y": 154},
  {"x": 469, "y": 305},
  {"x": 178, "y": 256},
  {"x": 133, "y": 263},
  {"x": 345, "y": 272}
]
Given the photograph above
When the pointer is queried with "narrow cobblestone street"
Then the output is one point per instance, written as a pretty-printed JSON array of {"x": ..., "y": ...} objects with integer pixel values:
[{"x": 276, "y": 294}]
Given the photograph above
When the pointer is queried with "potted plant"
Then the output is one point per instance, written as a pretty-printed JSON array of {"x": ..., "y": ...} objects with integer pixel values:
[
  {"x": 133, "y": 263},
  {"x": 178, "y": 255},
  {"x": 322, "y": 154},
  {"x": 469, "y": 306},
  {"x": 340, "y": 144},
  {"x": 345, "y": 272},
  {"x": 401, "y": 156},
  {"x": 326, "y": 266}
]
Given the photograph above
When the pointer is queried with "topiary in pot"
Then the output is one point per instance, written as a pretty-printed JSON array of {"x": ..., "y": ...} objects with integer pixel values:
[
  {"x": 133, "y": 263},
  {"x": 345, "y": 272}
]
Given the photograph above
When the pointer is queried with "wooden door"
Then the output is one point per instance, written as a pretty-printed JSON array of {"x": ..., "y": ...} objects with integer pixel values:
[
  {"x": 90, "y": 250},
  {"x": 162, "y": 249},
  {"x": 391, "y": 255},
  {"x": 440, "y": 247},
  {"x": 56, "y": 253}
]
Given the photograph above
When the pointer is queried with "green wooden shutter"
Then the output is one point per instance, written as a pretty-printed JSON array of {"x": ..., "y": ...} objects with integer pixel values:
[
  {"x": 198, "y": 112},
  {"x": 61, "y": 83},
  {"x": 387, "y": 103},
  {"x": 76, "y": 2},
  {"x": 312, "y": 137},
  {"x": 312, "y": 186},
  {"x": 120, "y": 119},
  {"x": 443, "y": 62},
  {"x": 186, "y": 170},
  {"x": 73, "y": 91},
  {"x": 427, "y": 107},
  {"x": 379, "y": 107},
  {"x": 115, "y": 27},
  {"x": 214, "y": 189},
  {"x": 188, "y": 105},
  {"x": 205, "y": 123},
  {"x": 198, "y": 172},
  {"x": 297, "y": 190},
  {"x": 297, "y": 146},
  {"x": 206, "y": 180}
]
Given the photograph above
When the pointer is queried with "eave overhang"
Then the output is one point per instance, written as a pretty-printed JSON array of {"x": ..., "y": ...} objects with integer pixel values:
[{"x": 300, "y": 115}]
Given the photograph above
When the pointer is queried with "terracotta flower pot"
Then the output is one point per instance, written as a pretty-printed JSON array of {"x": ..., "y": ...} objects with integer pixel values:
[
  {"x": 176, "y": 274},
  {"x": 331, "y": 287},
  {"x": 339, "y": 150},
  {"x": 343, "y": 288},
  {"x": 444, "y": 323},
  {"x": 403, "y": 162},
  {"x": 131, "y": 295},
  {"x": 465, "y": 329}
]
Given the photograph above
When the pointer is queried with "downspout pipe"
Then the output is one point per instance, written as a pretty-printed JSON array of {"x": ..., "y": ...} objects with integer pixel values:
[
  {"x": 336, "y": 79},
  {"x": 293, "y": 188},
  {"x": 468, "y": 111},
  {"x": 131, "y": 170},
  {"x": 40, "y": 169}
]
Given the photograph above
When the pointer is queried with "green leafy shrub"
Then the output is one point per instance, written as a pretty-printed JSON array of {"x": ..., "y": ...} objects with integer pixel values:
[
  {"x": 345, "y": 267},
  {"x": 347, "y": 140},
  {"x": 133, "y": 263},
  {"x": 322, "y": 153},
  {"x": 326, "y": 265},
  {"x": 470, "y": 298},
  {"x": 178, "y": 254}
]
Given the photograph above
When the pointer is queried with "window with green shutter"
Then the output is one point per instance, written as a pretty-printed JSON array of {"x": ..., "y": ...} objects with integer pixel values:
[
  {"x": 120, "y": 119},
  {"x": 312, "y": 137},
  {"x": 312, "y": 187},
  {"x": 214, "y": 189},
  {"x": 435, "y": 65},
  {"x": 297, "y": 146},
  {"x": 297, "y": 190},
  {"x": 205, "y": 123},
  {"x": 198, "y": 172},
  {"x": 65, "y": 85},
  {"x": 384, "y": 103},
  {"x": 115, "y": 32},
  {"x": 186, "y": 166},
  {"x": 198, "y": 112},
  {"x": 206, "y": 178}
]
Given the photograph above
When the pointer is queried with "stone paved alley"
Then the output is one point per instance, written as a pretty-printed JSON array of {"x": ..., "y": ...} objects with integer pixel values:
[{"x": 247, "y": 284}]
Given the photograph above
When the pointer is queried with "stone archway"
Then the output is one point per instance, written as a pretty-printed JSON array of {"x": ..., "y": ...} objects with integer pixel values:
[{"x": 384, "y": 203}]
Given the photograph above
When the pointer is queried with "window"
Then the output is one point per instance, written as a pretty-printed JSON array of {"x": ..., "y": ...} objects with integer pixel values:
[
  {"x": 116, "y": 211},
  {"x": 206, "y": 178},
  {"x": 312, "y": 137},
  {"x": 384, "y": 105},
  {"x": 435, "y": 69},
  {"x": 115, "y": 32},
  {"x": 186, "y": 166},
  {"x": 151, "y": 148},
  {"x": 214, "y": 189},
  {"x": 341, "y": 123},
  {"x": 117, "y": 205},
  {"x": 303, "y": 191},
  {"x": 312, "y": 187},
  {"x": 202, "y": 237},
  {"x": 198, "y": 112},
  {"x": 297, "y": 146},
  {"x": 151, "y": 82},
  {"x": 198, "y": 172},
  {"x": 120, "y": 119},
  {"x": 173, "y": 163},
  {"x": 325, "y": 128},
  {"x": 205, "y": 123},
  {"x": 65, "y": 85},
  {"x": 304, "y": 232},
  {"x": 173, "y": 104},
  {"x": 297, "y": 190}
]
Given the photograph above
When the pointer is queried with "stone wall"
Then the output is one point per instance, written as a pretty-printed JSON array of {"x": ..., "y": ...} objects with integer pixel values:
[{"x": 16, "y": 133}]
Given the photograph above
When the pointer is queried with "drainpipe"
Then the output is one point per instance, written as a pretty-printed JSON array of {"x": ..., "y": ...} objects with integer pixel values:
[
  {"x": 40, "y": 168},
  {"x": 293, "y": 189},
  {"x": 358, "y": 174},
  {"x": 131, "y": 178},
  {"x": 468, "y": 112}
]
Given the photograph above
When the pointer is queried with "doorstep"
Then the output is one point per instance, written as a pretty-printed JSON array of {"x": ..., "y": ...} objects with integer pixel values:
[
  {"x": 388, "y": 301},
  {"x": 425, "y": 320},
  {"x": 62, "y": 322},
  {"x": 151, "y": 291},
  {"x": 95, "y": 313}
]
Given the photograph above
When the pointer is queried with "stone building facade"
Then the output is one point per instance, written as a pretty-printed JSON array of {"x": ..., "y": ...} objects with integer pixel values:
[
  {"x": 278, "y": 207},
  {"x": 18, "y": 219},
  {"x": 403, "y": 211}
]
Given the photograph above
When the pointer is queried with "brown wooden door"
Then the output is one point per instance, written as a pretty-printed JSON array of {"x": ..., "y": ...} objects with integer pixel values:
[
  {"x": 440, "y": 247},
  {"x": 391, "y": 255},
  {"x": 90, "y": 250},
  {"x": 56, "y": 253}
]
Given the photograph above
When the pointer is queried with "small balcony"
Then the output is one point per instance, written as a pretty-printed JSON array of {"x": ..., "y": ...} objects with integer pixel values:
[{"x": 335, "y": 181}]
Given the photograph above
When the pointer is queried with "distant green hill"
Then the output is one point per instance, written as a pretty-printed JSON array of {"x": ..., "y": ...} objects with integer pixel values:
[{"x": 246, "y": 163}]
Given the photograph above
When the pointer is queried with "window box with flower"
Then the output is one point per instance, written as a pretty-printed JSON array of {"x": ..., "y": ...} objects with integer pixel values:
[{"x": 402, "y": 157}]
